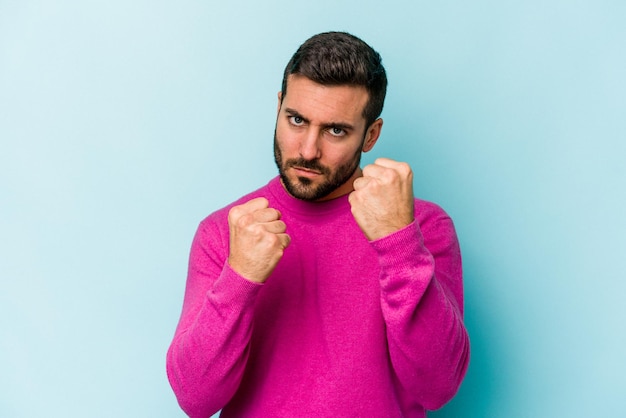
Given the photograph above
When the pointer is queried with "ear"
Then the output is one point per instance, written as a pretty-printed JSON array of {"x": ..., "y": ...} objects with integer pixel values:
[
  {"x": 280, "y": 101},
  {"x": 373, "y": 132}
]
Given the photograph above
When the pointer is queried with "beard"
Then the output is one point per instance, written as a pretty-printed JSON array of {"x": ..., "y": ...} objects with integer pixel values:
[{"x": 302, "y": 187}]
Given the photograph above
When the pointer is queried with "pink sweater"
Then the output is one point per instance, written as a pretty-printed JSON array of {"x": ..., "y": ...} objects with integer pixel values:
[{"x": 343, "y": 327}]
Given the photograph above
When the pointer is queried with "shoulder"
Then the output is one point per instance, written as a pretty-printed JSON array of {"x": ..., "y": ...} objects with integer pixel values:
[
  {"x": 433, "y": 220},
  {"x": 220, "y": 216},
  {"x": 211, "y": 237},
  {"x": 426, "y": 212}
]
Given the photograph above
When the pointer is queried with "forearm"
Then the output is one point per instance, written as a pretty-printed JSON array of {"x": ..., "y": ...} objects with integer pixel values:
[
  {"x": 421, "y": 299},
  {"x": 207, "y": 357}
]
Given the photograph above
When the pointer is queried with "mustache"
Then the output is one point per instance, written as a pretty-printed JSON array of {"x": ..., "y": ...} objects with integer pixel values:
[{"x": 307, "y": 164}]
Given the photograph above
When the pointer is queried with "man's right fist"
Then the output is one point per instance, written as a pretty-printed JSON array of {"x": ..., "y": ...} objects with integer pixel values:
[{"x": 257, "y": 239}]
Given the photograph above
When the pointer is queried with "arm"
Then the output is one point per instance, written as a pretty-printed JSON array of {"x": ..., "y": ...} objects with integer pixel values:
[
  {"x": 206, "y": 359},
  {"x": 421, "y": 282},
  {"x": 208, "y": 355},
  {"x": 422, "y": 303}
]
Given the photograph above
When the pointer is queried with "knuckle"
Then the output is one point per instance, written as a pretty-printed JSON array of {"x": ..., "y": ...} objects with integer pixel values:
[
  {"x": 245, "y": 220},
  {"x": 234, "y": 214},
  {"x": 390, "y": 175},
  {"x": 272, "y": 241},
  {"x": 405, "y": 168}
]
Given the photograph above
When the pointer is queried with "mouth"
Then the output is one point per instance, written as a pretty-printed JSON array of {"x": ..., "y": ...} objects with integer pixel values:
[{"x": 305, "y": 172}]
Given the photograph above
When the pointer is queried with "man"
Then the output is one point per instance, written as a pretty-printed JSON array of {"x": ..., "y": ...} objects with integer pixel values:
[{"x": 331, "y": 291}]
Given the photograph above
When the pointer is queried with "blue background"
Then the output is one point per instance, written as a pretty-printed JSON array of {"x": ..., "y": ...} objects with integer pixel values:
[{"x": 122, "y": 124}]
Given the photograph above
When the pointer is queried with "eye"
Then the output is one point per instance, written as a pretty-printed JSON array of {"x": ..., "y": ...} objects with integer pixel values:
[
  {"x": 296, "y": 120},
  {"x": 335, "y": 131}
]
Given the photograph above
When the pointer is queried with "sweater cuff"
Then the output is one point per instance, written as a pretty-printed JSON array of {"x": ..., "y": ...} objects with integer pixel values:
[
  {"x": 234, "y": 290},
  {"x": 402, "y": 249}
]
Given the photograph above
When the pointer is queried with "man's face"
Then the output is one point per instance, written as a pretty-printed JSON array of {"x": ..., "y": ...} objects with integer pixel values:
[{"x": 320, "y": 134}]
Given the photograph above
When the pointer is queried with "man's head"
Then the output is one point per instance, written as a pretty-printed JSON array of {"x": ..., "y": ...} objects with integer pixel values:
[
  {"x": 338, "y": 58},
  {"x": 332, "y": 95}
]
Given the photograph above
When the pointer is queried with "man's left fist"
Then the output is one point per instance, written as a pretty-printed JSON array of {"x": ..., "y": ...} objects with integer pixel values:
[{"x": 382, "y": 200}]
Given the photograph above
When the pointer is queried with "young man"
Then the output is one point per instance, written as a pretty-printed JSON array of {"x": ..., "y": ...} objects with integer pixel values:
[{"x": 331, "y": 291}]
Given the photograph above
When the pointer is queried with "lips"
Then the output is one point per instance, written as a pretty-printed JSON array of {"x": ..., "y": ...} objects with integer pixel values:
[
  {"x": 306, "y": 168},
  {"x": 306, "y": 172}
]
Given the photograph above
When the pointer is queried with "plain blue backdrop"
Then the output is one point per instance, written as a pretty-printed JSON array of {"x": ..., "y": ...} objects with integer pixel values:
[{"x": 123, "y": 124}]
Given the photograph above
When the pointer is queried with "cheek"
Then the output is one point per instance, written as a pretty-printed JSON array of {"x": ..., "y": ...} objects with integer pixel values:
[
  {"x": 341, "y": 155},
  {"x": 287, "y": 141},
  {"x": 285, "y": 150}
]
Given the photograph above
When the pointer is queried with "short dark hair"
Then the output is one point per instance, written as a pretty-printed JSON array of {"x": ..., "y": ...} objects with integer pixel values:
[{"x": 339, "y": 58}]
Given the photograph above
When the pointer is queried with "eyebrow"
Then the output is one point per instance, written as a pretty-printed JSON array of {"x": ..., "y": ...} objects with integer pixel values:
[{"x": 341, "y": 125}]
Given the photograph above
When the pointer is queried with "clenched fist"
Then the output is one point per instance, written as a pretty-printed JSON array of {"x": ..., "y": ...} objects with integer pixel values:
[
  {"x": 257, "y": 239},
  {"x": 382, "y": 200}
]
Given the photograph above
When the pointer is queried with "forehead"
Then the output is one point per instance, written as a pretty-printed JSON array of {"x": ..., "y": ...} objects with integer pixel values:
[{"x": 322, "y": 103}]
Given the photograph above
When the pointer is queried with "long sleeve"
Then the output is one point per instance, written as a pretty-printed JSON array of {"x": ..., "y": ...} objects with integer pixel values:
[
  {"x": 207, "y": 357},
  {"x": 422, "y": 305}
]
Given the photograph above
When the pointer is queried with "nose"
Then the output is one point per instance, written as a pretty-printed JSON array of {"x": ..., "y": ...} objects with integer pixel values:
[{"x": 310, "y": 144}]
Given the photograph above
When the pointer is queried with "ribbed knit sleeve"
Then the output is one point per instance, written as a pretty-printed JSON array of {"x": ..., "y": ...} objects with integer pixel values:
[
  {"x": 207, "y": 357},
  {"x": 422, "y": 305}
]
